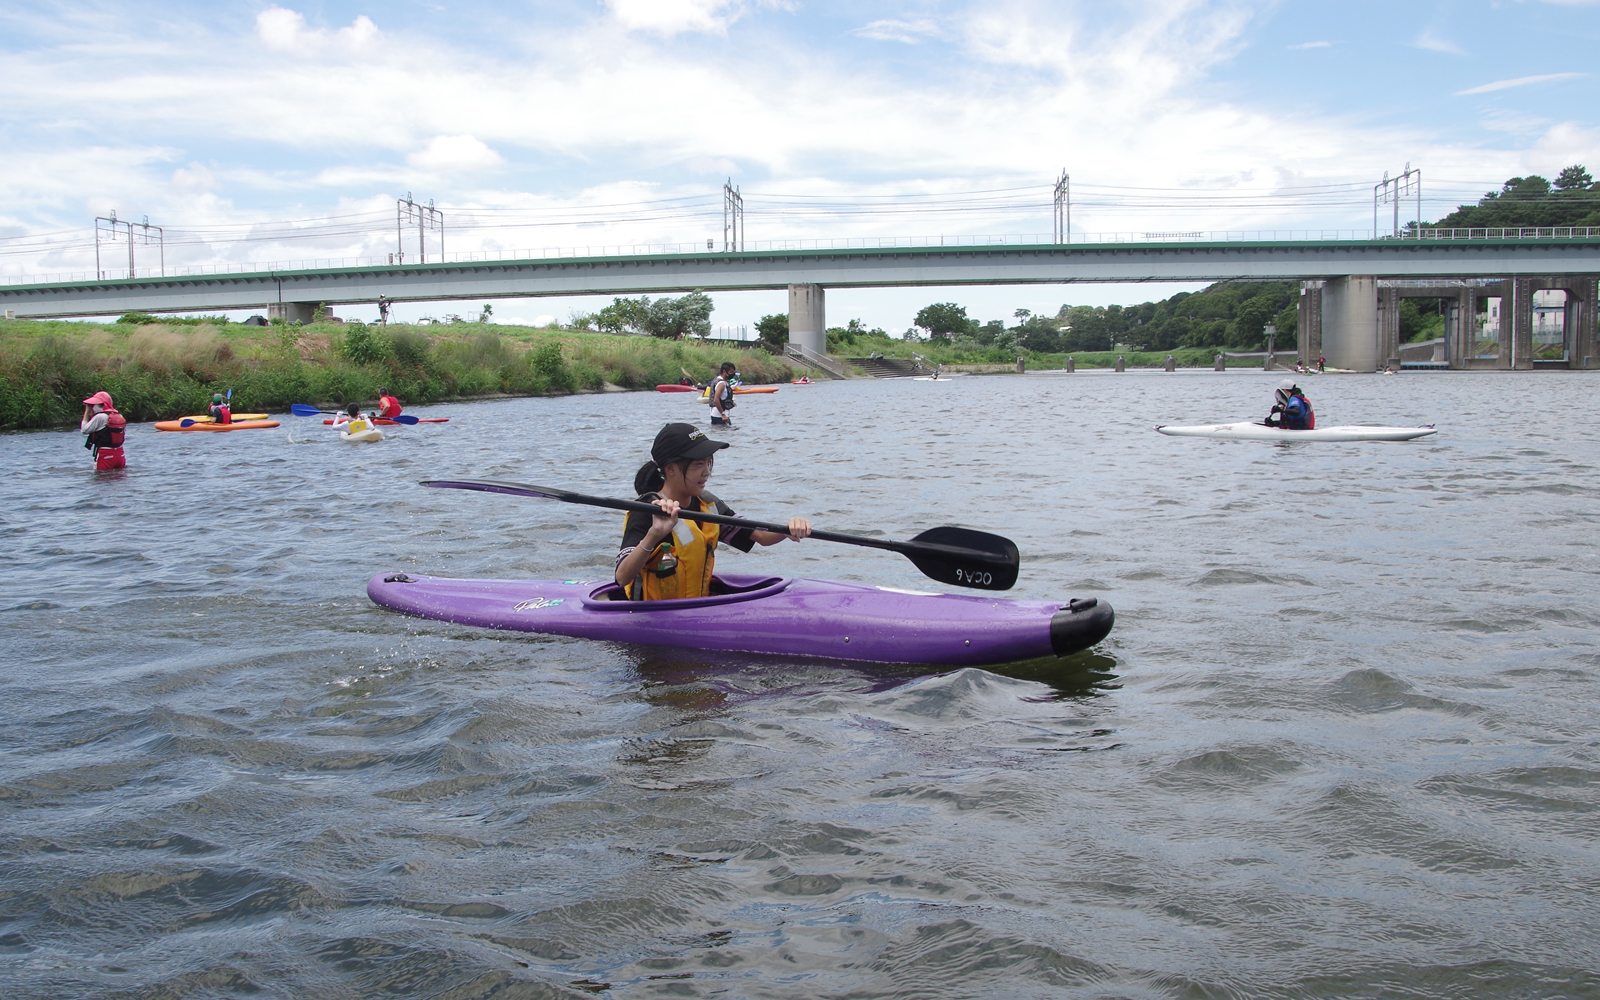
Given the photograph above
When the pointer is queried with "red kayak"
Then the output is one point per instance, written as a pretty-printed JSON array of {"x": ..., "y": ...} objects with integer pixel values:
[
  {"x": 674, "y": 387},
  {"x": 420, "y": 420}
]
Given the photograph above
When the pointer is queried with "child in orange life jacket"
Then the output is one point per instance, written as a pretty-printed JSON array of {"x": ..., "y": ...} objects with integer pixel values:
[
  {"x": 666, "y": 556},
  {"x": 103, "y": 429}
]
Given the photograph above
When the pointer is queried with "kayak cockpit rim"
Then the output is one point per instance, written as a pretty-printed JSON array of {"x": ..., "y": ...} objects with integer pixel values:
[{"x": 609, "y": 596}]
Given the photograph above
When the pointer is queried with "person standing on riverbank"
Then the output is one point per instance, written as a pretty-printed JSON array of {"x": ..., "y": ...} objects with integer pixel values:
[
  {"x": 103, "y": 429},
  {"x": 721, "y": 395}
]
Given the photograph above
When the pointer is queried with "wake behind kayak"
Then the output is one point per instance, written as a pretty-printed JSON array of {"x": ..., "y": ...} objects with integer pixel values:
[{"x": 765, "y": 614}]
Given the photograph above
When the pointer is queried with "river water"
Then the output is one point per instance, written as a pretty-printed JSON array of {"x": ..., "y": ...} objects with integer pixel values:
[{"x": 1341, "y": 743}]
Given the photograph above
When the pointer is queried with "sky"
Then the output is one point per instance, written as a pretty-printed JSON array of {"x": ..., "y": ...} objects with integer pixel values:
[{"x": 254, "y": 132}]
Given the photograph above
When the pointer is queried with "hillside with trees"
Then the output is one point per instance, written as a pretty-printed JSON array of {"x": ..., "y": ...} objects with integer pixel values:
[{"x": 1573, "y": 200}]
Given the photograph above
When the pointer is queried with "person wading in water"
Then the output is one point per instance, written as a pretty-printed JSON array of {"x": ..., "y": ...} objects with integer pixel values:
[{"x": 103, "y": 429}]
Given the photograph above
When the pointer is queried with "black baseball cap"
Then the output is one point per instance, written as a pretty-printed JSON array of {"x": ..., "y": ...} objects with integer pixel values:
[{"x": 683, "y": 441}]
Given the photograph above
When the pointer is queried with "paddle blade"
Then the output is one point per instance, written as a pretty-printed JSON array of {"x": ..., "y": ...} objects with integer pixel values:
[
  {"x": 302, "y": 410},
  {"x": 186, "y": 422},
  {"x": 949, "y": 555},
  {"x": 403, "y": 418}
]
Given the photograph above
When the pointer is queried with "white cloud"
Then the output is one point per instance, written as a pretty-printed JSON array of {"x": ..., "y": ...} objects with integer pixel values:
[
  {"x": 1434, "y": 43},
  {"x": 1016, "y": 91},
  {"x": 1521, "y": 81},
  {"x": 670, "y": 17},
  {"x": 1314, "y": 45},
  {"x": 719, "y": 165},
  {"x": 285, "y": 30},
  {"x": 453, "y": 154},
  {"x": 890, "y": 30}
]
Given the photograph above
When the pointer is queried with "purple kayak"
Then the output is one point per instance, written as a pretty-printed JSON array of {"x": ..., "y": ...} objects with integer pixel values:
[{"x": 766, "y": 614}]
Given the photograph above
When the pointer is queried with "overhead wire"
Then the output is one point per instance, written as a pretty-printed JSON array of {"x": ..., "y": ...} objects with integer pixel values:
[{"x": 1017, "y": 202}]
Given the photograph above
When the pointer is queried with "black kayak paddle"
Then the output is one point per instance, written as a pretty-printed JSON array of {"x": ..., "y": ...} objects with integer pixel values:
[{"x": 960, "y": 556}]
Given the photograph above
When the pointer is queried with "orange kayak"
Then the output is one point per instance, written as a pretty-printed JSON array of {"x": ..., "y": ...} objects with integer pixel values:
[{"x": 237, "y": 425}]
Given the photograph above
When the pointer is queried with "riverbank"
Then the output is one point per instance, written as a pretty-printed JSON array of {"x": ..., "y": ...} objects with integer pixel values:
[
  {"x": 959, "y": 360},
  {"x": 157, "y": 371}
]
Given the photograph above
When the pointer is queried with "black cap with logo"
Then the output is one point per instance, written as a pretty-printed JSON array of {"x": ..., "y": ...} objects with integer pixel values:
[{"x": 678, "y": 442}]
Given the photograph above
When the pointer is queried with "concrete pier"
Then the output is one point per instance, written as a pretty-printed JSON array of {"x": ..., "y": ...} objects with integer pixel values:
[
  {"x": 1350, "y": 323},
  {"x": 293, "y": 312},
  {"x": 808, "y": 321}
]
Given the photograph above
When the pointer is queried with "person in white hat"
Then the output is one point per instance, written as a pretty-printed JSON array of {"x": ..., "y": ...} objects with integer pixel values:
[{"x": 1291, "y": 410}]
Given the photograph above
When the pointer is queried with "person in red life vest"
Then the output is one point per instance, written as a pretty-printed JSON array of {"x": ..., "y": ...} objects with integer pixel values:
[
  {"x": 103, "y": 430},
  {"x": 388, "y": 406},
  {"x": 220, "y": 412}
]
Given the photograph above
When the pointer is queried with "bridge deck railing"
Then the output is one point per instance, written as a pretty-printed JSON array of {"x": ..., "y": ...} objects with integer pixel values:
[{"x": 786, "y": 246}]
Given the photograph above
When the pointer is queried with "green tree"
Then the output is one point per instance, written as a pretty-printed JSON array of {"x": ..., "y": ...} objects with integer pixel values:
[
  {"x": 1574, "y": 200},
  {"x": 1574, "y": 178},
  {"x": 774, "y": 331},
  {"x": 942, "y": 319},
  {"x": 624, "y": 315},
  {"x": 674, "y": 319},
  {"x": 1250, "y": 318}
]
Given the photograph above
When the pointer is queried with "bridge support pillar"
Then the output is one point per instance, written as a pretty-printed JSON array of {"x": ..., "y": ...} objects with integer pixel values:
[
  {"x": 808, "y": 321},
  {"x": 1389, "y": 327},
  {"x": 1516, "y": 315},
  {"x": 1307, "y": 324},
  {"x": 293, "y": 312},
  {"x": 1350, "y": 323},
  {"x": 1460, "y": 326},
  {"x": 1585, "y": 332}
]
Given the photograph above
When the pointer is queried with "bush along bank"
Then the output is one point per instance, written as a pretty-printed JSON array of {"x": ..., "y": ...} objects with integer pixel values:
[{"x": 157, "y": 371}]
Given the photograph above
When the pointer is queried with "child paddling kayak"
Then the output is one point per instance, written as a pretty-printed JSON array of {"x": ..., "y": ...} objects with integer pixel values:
[{"x": 666, "y": 556}]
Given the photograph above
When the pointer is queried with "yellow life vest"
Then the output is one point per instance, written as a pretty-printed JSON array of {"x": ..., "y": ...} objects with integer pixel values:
[
  {"x": 681, "y": 565},
  {"x": 356, "y": 426}
]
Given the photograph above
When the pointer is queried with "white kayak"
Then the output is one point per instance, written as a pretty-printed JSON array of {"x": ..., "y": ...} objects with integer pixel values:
[
  {"x": 1246, "y": 430},
  {"x": 362, "y": 437}
]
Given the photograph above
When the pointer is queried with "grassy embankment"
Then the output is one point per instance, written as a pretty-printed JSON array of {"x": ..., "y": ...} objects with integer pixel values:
[
  {"x": 166, "y": 369},
  {"x": 992, "y": 360}
]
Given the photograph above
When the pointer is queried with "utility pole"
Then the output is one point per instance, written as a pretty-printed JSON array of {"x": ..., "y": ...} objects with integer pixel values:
[
  {"x": 114, "y": 231},
  {"x": 1062, "y": 232},
  {"x": 425, "y": 217},
  {"x": 1390, "y": 191},
  {"x": 732, "y": 218}
]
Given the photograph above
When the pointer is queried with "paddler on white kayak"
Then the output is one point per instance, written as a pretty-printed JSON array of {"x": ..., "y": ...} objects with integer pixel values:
[
  {"x": 351, "y": 421},
  {"x": 666, "y": 556},
  {"x": 1291, "y": 410}
]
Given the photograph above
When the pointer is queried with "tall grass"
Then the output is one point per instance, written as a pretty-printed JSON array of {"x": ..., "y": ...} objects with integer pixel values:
[{"x": 157, "y": 371}]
